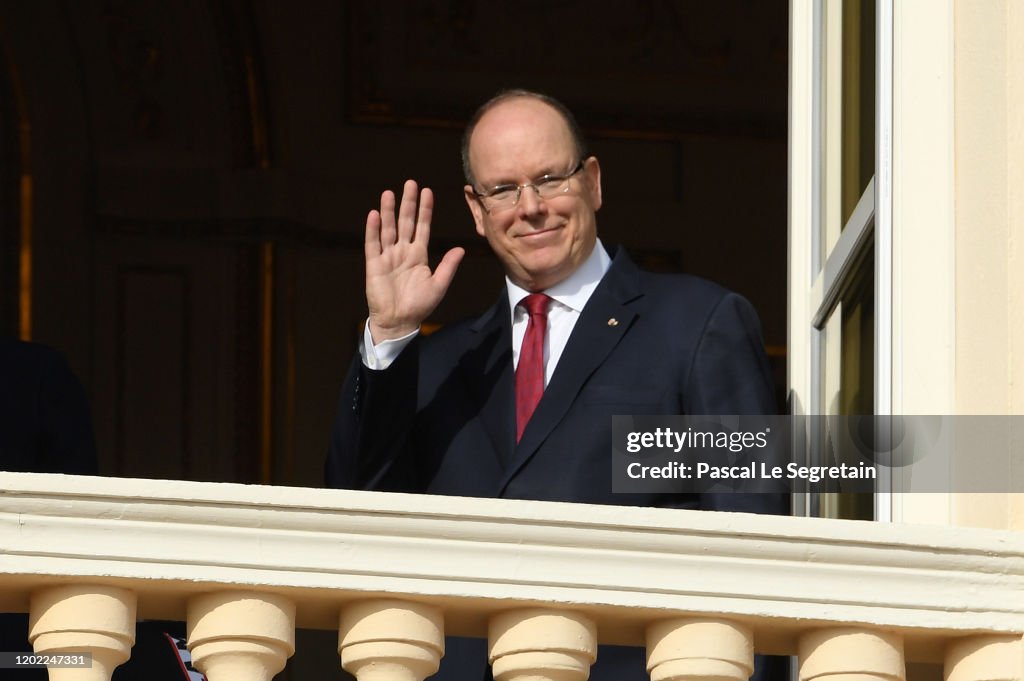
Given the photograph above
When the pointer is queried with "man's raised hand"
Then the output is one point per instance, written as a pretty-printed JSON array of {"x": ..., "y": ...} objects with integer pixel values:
[{"x": 401, "y": 291}]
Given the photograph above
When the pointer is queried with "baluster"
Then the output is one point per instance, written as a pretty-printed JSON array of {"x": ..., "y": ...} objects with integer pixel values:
[
  {"x": 390, "y": 640},
  {"x": 689, "y": 649},
  {"x": 985, "y": 658},
  {"x": 852, "y": 654},
  {"x": 541, "y": 645},
  {"x": 240, "y": 636},
  {"x": 83, "y": 618}
]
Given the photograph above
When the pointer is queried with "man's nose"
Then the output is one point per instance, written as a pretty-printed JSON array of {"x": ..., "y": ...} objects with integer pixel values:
[{"x": 530, "y": 202}]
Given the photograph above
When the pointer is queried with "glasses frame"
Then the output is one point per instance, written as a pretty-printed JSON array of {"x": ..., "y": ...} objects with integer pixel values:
[{"x": 481, "y": 196}]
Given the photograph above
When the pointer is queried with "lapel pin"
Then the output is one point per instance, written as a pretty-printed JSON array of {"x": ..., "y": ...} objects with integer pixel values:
[{"x": 613, "y": 322}]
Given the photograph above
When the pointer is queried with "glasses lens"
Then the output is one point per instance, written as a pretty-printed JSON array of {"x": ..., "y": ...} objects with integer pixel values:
[
  {"x": 552, "y": 187},
  {"x": 501, "y": 201},
  {"x": 548, "y": 187},
  {"x": 500, "y": 198}
]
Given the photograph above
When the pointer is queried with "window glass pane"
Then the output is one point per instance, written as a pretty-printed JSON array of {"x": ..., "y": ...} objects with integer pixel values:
[
  {"x": 848, "y": 378},
  {"x": 858, "y": 101},
  {"x": 858, "y": 341},
  {"x": 857, "y": 395}
]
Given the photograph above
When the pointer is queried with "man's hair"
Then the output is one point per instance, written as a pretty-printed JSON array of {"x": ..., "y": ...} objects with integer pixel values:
[{"x": 505, "y": 95}]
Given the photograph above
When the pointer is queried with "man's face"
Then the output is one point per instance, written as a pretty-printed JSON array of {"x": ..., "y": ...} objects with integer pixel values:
[{"x": 539, "y": 241}]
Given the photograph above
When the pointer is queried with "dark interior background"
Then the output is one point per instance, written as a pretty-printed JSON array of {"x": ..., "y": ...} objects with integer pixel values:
[{"x": 193, "y": 177}]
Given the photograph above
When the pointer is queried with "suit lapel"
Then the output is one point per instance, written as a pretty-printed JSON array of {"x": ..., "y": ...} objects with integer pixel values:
[
  {"x": 493, "y": 381},
  {"x": 605, "y": 319}
]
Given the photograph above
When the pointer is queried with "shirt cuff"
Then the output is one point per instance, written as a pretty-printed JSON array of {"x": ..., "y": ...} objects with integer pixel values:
[{"x": 380, "y": 356}]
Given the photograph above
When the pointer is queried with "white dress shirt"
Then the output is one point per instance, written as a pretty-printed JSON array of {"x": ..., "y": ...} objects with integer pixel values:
[{"x": 569, "y": 297}]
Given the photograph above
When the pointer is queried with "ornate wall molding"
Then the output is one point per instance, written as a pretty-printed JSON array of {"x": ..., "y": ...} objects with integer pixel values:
[{"x": 657, "y": 70}]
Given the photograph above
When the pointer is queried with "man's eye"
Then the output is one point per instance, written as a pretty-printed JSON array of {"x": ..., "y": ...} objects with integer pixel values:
[
  {"x": 501, "y": 193},
  {"x": 548, "y": 182}
]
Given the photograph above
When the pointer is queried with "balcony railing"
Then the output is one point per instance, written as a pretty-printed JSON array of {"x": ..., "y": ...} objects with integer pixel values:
[{"x": 544, "y": 582}]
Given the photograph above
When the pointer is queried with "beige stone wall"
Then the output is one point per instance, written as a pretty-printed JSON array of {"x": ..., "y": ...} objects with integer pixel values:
[{"x": 989, "y": 214}]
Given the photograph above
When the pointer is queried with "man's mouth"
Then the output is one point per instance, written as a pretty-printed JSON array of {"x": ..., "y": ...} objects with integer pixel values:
[{"x": 538, "y": 232}]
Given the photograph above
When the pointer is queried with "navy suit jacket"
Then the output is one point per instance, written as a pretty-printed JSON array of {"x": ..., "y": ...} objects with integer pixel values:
[
  {"x": 45, "y": 423},
  {"x": 441, "y": 418},
  {"x": 45, "y": 427}
]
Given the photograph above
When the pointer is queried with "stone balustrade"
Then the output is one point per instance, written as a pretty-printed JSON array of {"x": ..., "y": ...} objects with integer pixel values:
[{"x": 543, "y": 582}]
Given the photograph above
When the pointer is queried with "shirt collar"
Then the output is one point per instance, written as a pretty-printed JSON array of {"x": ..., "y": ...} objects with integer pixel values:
[{"x": 575, "y": 290}]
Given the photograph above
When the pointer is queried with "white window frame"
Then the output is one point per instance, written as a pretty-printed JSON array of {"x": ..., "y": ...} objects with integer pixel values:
[
  {"x": 814, "y": 174},
  {"x": 914, "y": 227}
]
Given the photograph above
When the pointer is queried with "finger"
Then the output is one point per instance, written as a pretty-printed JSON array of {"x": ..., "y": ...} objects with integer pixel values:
[
  {"x": 407, "y": 212},
  {"x": 445, "y": 270},
  {"x": 423, "y": 218},
  {"x": 371, "y": 246},
  {"x": 387, "y": 219}
]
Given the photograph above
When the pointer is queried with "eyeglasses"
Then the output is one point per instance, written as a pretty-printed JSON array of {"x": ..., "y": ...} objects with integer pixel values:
[{"x": 506, "y": 196}]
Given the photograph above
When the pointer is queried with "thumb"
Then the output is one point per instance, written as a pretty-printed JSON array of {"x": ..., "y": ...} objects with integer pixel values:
[{"x": 445, "y": 270}]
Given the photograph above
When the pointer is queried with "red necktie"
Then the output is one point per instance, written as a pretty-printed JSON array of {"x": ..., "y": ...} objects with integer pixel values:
[{"x": 530, "y": 371}]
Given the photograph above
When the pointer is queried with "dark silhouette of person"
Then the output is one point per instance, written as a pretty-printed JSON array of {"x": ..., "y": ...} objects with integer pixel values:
[
  {"x": 45, "y": 421},
  {"x": 45, "y": 427}
]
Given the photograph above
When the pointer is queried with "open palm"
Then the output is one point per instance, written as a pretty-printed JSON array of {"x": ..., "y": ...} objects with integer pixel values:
[{"x": 401, "y": 290}]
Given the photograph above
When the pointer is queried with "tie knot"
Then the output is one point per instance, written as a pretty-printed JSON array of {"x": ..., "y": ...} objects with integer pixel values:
[{"x": 536, "y": 304}]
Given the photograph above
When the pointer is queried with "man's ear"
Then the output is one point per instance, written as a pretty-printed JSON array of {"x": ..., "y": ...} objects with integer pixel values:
[
  {"x": 475, "y": 208},
  {"x": 592, "y": 172}
]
